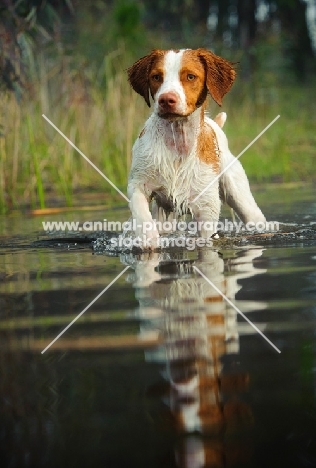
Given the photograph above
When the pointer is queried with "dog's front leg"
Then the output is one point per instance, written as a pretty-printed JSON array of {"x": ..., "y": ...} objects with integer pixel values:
[
  {"x": 146, "y": 228},
  {"x": 206, "y": 211}
]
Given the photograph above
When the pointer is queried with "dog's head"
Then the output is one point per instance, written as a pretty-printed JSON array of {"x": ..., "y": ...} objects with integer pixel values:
[{"x": 179, "y": 80}]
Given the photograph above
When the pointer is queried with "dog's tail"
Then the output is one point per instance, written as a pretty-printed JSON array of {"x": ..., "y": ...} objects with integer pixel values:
[{"x": 220, "y": 119}]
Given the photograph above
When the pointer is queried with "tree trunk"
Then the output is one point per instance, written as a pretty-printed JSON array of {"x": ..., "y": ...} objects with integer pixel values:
[{"x": 247, "y": 27}]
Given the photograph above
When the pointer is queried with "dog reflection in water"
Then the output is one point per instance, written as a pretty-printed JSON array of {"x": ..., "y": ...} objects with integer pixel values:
[{"x": 195, "y": 328}]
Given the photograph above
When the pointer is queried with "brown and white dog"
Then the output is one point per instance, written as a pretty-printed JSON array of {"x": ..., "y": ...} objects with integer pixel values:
[{"x": 181, "y": 155}]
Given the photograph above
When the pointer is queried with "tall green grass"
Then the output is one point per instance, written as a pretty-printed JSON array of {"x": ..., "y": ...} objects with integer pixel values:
[
  {"x": 286, "y": 152},
  {"x": 96, "y": 109}
]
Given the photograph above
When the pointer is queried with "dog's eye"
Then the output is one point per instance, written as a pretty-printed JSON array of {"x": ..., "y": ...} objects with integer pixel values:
[
  {"x": 191, "y": 77},
  {"x": 156, "y": 77}
]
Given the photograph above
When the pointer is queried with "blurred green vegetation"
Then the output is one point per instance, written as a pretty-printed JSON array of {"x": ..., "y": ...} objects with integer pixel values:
[{"x": 68, "y": 60}]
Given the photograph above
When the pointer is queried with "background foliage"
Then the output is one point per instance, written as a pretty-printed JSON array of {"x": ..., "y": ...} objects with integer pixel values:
[{"x": 67, "y": 59}]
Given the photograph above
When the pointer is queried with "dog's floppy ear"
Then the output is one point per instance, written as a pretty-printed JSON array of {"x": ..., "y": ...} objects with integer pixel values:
[
  {"x": 220, "y": 74},
  {"x": 138, "y": 74}
]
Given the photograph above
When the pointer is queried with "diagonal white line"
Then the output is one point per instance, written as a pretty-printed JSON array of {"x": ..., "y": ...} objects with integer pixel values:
[
  {"x": 86, "y": 158},
  {"x": 84, "y": 310},
  {"x": 237, "y": 310},
  {"x": 236, "y": 158}
]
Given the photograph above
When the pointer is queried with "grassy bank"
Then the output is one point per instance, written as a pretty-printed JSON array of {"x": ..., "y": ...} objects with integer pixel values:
[
  {"x": 286, "y": 152},
  {"x": 97, "y": 110}
]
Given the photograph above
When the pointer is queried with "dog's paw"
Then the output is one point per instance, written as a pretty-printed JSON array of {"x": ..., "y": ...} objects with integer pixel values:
[
  {"x": 151, "y": 239},
  {"x": 147, "y": 242},
  {"x": 146, "y": 273},
  {"x": 147, "y": 235}
]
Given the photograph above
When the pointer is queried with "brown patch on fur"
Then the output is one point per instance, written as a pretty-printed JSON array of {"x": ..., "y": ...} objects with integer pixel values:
[
  {"x": 157, "y": 71},
  {"x": 213, "y": 299},
  {"x": 138, "y": 73},
  {"x": 195, "y": 89},
  {"x": 233, "y": 383},
  {"x": 141, "y": 133},
  {"x": 208, "y": 150},
  {"x": 210, "y": 414},
  {"x": 220, "y": 74},
  {"x": 216, "y": 319}
]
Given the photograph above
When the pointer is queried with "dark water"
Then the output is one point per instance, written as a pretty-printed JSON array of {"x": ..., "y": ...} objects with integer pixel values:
[{"x": 161, "y": 371}]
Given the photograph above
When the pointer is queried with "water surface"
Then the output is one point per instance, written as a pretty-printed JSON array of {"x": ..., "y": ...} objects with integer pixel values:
[{"x": 161, "y": 371}]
